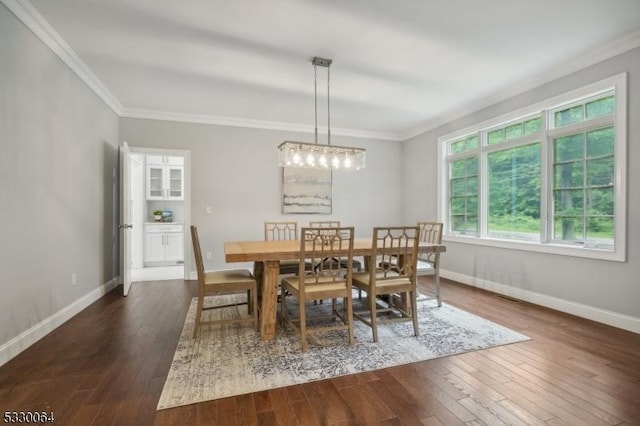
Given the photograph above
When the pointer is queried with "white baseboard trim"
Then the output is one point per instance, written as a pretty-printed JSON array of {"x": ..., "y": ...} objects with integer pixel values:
[
  {"x": 625, "y": 322},
  {"x": 27, "y": 338}
]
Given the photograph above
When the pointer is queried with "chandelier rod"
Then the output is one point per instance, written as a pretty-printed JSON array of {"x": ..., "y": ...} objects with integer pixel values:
[
  {"x": 328, "y": 108},
  {"x": 315, "y": 98}
]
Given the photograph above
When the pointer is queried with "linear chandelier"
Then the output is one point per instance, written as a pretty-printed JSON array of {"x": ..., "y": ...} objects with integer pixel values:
[{"x": 321, "y": 156}]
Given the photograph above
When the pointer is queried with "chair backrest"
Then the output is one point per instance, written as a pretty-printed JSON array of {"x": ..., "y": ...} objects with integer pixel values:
[
  {"x": 197, "y": 254},
  {"x": 280, "y": 231},
  {"x": 331, "y": 252},
  {"x": 396, "y": 250},
  {"x": 430, "y": 232},
  {"x": 324, "y": 223}
]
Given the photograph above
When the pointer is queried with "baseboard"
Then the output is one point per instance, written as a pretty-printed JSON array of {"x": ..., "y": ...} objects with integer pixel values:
[
  {"x": 625, "y": 322},
  {"x": 27, "y": 338}
]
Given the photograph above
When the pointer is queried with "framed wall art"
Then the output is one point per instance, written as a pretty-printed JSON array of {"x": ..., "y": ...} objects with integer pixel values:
[{"x": 306, "y": 191}]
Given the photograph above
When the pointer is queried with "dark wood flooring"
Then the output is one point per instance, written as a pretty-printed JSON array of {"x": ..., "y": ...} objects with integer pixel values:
[{"x": 108, "y": 364}]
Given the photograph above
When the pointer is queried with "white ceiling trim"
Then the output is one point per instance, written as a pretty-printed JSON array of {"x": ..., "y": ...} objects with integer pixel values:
[
  {"x": 254, "y": 124},
  {"x": 33, "y": 20},
  {"x": 606, "y": 51}
]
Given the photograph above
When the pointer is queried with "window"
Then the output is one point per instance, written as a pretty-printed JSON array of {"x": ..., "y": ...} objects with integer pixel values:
[
  {"x": 463, "y": 187},
  {"x": 513, "y": 193},
  {"x": 550, "y": 177}
]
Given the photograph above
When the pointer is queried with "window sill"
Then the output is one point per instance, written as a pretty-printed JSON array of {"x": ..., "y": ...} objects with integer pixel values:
[{"x": 540, "y": 248}]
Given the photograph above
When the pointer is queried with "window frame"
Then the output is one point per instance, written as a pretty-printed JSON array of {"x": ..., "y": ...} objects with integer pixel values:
[{"x": 548, "y": 132}]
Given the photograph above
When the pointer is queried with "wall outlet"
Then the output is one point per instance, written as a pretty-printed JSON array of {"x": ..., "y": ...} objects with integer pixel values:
[
  {"x": 74, "y": 279},
  {"x": 208, "y": 255}
]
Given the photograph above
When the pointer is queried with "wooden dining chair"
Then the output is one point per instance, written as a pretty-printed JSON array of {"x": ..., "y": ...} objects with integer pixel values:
[
  {"x": 392, "y": 271},
  {"x": 222, "y": 283},
  {"x": 276, "y": 231},
  {"x": 357, "y": 265},
  {"x": 280, "y": 231},
  {"x": 324, "y": 223},
  {"x": 328, "y": 281},
  {"x": 429, "y": 263}
]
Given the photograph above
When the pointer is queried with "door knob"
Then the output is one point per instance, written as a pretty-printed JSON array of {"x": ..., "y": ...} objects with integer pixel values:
[{"x": 125, "y": 226}]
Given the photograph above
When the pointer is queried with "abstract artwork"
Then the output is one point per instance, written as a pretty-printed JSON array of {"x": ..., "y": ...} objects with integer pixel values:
[{"x": 306, "y": 191}]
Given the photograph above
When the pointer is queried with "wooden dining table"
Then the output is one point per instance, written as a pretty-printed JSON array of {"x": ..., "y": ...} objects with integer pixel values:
[{"x": 267, "y": 255}]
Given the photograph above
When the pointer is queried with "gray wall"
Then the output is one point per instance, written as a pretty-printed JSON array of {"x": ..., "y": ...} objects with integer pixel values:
[
  {"x": 58, "y": 150},
  {"x": 611, "y": 286},
  {"x": 235, "y": 171},
  {"x": 58, "y": 147}
]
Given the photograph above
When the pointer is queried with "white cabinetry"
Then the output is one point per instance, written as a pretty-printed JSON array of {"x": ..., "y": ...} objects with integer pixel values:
[
  {"x": 165, "y": 177},
  {"x": 163, "y": 244}
]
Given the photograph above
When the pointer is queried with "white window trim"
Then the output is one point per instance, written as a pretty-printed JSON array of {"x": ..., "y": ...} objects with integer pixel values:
[{"x": 617, "y": 83}]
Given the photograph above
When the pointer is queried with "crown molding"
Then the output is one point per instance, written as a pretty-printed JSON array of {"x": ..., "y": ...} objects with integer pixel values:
[
  {"x": 39, "y": 26},
  {"x": 594, "y": 56},
  {"x": 253, "y": 124},
  {"x": 35, "y": 22}
]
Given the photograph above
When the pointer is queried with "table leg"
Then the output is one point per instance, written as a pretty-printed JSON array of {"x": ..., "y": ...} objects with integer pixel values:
[
  {"x": 258, "y": 268},
  {"x": 270, "y": 274}
]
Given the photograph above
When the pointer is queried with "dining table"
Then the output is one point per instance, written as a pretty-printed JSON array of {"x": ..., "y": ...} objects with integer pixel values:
[{"x": 266, "y": 256}]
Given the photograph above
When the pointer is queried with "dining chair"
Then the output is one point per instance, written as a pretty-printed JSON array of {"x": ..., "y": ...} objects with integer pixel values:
[
  {"x": 283, "y": 231},
  {"x": 328, "y": 281},
  {"x": 391, "y": 271},
  {"x": 218, "y": 283},
  {"x": 357, "y": 265},
  {"x": 324, "y": 223},
  {"x": 429, "y": 263}
]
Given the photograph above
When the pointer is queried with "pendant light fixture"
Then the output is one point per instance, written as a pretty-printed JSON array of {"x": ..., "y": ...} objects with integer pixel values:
[{"x": 321, "y": 156}]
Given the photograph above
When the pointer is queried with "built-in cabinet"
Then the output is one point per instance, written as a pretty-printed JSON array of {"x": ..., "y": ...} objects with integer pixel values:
[
  {"x": 163, "y": 244},
  {"x": 165, "y": 177}
]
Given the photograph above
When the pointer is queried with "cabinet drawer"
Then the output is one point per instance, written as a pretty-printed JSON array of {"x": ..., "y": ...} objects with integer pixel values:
[{"x": 159, "y": 229}]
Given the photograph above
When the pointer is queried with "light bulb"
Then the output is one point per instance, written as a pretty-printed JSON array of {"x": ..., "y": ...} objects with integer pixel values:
[
  {"x": 335, "y": 162},
  {"x": 296, "y": 158},
  {"x": 322, "y": 160},
  {"x": 347, "y": 162},
  {"x": 310, "y": 159}
]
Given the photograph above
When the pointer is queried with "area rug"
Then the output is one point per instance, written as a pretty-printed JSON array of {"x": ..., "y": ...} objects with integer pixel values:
[{"x": 231, "y": 359}]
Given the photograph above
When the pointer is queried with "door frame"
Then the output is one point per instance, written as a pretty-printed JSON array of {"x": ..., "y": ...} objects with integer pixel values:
[{"x": 186, "y": 154}]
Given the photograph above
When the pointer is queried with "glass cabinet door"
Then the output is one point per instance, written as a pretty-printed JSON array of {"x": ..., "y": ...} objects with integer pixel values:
[
  {"x": 165, "y": 181},
  {"x": 155, "y": 182},
  {"x": 176, "y": 183}
]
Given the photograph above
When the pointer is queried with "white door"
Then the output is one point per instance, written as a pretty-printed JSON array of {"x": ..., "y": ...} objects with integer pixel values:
[{"x": 125, "y": 216}]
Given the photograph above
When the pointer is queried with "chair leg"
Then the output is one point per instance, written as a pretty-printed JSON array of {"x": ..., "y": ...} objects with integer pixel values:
[
  {"x": 198, "y": 315},
  {"x": 254, "y": 302},
  {"x": 334, "y": 307},
  {"x": 249, "y": 302},
  {"x": 303, "y": 324},
  {"x": 436, "y": 278},
  {"x": 374, "y": 316},
  {"x": 414, "y": 312},
  {"x": 283, "y": 311},
  {"x": 349, "y": 308}
]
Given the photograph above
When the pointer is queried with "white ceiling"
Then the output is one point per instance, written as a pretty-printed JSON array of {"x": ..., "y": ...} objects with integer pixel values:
[{"x": 397, "y": 66}]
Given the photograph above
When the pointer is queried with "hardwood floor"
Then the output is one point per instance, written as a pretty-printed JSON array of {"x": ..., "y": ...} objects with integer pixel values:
[{"x": 108, "y": 364}]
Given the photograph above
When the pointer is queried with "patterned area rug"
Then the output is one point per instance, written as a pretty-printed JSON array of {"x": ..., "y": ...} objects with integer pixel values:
[{"x": 232, "y": 360}]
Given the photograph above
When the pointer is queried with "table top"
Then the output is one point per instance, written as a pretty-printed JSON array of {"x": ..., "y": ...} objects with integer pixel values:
[{"x": 260, "y": 251}]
